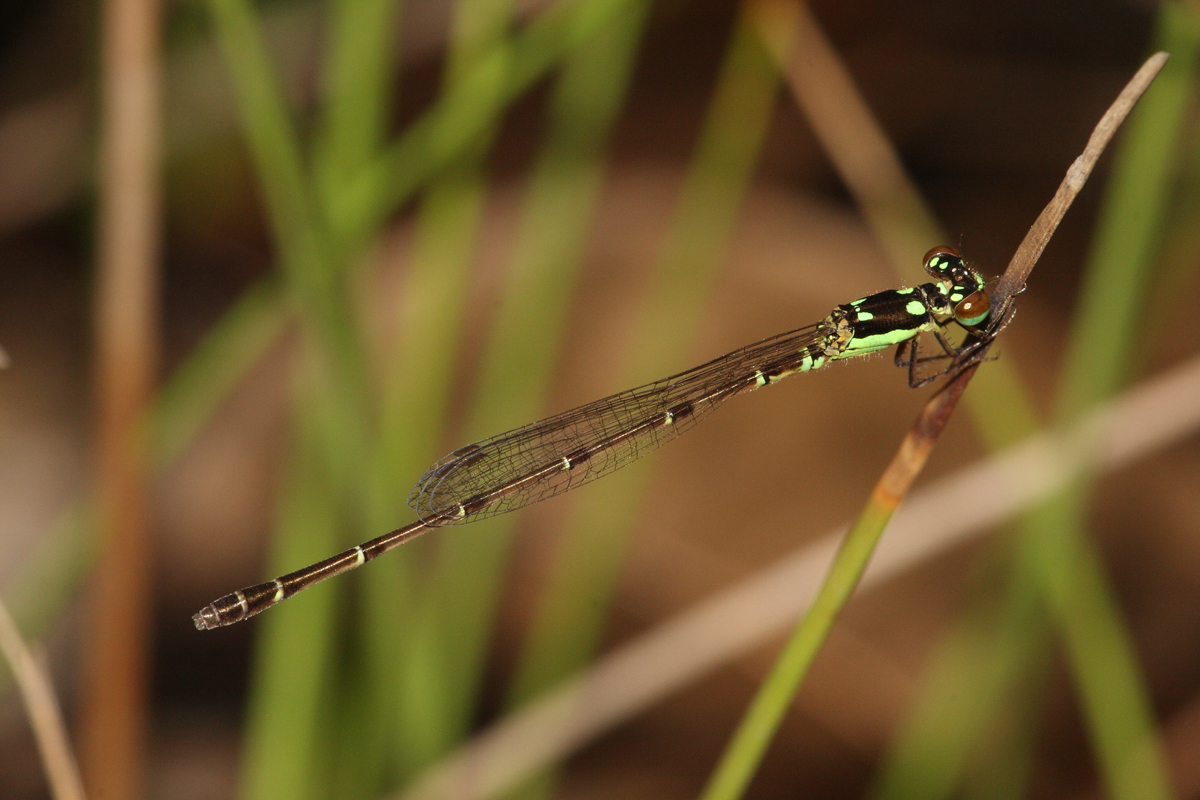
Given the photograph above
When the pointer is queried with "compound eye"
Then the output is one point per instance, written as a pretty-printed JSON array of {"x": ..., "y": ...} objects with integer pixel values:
[
  {"x": 972, "y": 309},
  {"x": 941, "y": 250}
]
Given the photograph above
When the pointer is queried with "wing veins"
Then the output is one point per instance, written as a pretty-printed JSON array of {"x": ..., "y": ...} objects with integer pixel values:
[{"x": 518, "y": 467}]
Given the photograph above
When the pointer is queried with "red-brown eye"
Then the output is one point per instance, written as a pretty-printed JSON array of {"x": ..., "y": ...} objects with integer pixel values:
[
  {"x": 941, "y": 250},
  {"x": 972, "y": 310}
]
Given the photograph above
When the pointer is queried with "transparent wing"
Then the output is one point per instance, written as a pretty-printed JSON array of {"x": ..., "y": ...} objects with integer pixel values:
[{"x": 540, "y": 460}]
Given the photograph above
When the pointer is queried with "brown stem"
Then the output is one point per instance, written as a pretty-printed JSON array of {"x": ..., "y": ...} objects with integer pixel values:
[{"x": 114, "y": 719}]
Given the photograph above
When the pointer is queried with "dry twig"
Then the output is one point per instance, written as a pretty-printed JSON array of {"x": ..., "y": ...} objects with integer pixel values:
[{"x": 45, "y": 716}]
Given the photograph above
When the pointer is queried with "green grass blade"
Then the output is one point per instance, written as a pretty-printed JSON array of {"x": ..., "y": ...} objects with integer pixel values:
[
  {"x": 273, "y": 142},
  {"x": 1174, "y": 280},
  {"x": 899, "y": 218},
  {"x": 1140, "y": 187},
  {"x": 501, "y": 74},
  {"x": 518, "y": 364},
  {"x": 438, "y": 274},
  {"x": 358, "y": 83},
  {"x": 334, "y": 399},
  {"x": 966, "y": 685},
  {"x": 1000, "y": 407},
  {"x": 1100, "y": 653},
  {"x": 753, "y": 736},
  {"x": 1002, "y": 765},
  {"x": 316, "y": 288},
  {"x": 518, "y": 367},
  {"x": 572, "y": 612},
  {"x": 1104, "y": 335},
  {"x": 757, "y": 728},
  {"x": 413, "y": 412},
  {"x": 285, "y": 736}
]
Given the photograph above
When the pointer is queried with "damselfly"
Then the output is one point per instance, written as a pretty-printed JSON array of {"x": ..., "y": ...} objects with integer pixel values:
[{"x": 529, "y": 464}]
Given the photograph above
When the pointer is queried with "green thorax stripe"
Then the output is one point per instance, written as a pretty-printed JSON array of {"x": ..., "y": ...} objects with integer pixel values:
[{"x": 887, "y": 318}]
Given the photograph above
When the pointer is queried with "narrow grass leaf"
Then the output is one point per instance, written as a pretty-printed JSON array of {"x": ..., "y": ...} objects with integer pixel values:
[
  {"x": 523, "y": 345},
  {"x": 294, "y": 660},
  {"x": 357, "y": 83},
  {"x": 1104, "y": 335},
  {"x": 407, "y": 668},
  {"x": 501, "y": 74},
  {"x": 571, "y": 614},
  {"x": 937, "y": 726}
]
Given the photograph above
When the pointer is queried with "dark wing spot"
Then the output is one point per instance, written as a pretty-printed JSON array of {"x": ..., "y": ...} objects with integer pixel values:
[
  {"x": 681, "y": 411},
  {"x": 475, "y": 504}
]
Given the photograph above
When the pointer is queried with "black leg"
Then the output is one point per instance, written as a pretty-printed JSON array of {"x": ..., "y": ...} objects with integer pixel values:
[
  {"x": 946, "y": 348},
  {"x": 971, "y": 353},
  {"x": 914, "y": 352},
  {"x": 913, "y": 359},
  {"x": 955, "y": 356},
  {"x": 902, "y": 361}
]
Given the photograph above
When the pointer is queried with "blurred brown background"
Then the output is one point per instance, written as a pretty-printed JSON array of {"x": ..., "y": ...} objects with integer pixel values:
[{"x": 986, "y": 103}]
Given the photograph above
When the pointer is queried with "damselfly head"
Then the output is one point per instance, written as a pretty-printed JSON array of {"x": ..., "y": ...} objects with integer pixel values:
[{"x": 962, "y": 285}]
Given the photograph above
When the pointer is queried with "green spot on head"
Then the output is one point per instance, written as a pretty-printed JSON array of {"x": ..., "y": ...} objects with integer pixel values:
[
  {"x": 956, "y": 297},
  {"x": 858, "y": 302},
  {"x": 904, "y": 291},
  {"x": 864, "y": 316},
  {"x": 915, "y": 307}
]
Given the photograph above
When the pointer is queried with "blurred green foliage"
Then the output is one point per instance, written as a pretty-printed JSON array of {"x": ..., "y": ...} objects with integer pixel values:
[{"x": 355, "y": 693}]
